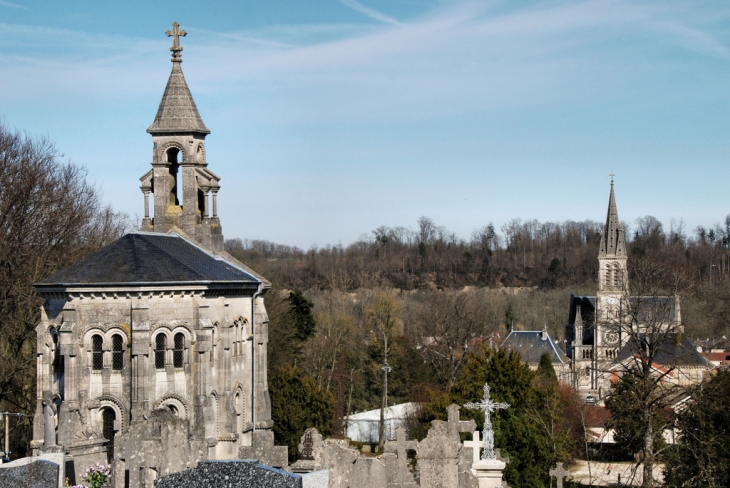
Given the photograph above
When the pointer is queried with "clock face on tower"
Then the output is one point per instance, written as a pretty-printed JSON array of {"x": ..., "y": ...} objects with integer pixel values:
[{"x": 611, "y": 300}]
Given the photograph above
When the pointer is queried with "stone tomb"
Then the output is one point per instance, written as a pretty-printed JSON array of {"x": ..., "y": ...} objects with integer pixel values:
[
  {"x": 246, "y": 473},
  {"x": 46, "y": 471}
]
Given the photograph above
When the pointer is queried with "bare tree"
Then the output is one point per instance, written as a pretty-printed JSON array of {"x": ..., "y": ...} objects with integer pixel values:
[
  {"x": 50, "y": 216},
  {"x": 646, "y": 379},
  {"x": 445, "y": 323}
]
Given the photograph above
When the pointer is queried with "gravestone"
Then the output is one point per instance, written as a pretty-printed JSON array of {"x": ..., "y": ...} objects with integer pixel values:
[
  {"x": 455, "y": 424},
  {"x": 397, "y": 468},
  {"x": 263, "y": 449},
  {"x": 559, "y": 474},
  {"x": 438, "y": 457},
  {"x": 246, "y": 473},
  {"x": 45, "y": 471},
  {"x": 310, "y": 452}
]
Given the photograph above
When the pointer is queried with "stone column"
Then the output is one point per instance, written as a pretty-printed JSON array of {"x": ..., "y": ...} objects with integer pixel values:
[
  {"x": 206, "y": 194},
  {"x": 146, "y": 204},
  {"x": 215, "y": 203}
]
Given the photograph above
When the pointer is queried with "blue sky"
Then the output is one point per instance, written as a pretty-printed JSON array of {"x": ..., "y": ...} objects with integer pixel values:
[{"x": 331, "y": 118}]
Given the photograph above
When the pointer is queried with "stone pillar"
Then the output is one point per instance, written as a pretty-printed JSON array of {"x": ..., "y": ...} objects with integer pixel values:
[
  {"x": 140, "y": 358},
  {"x": 438, "y": 457},
  {"x": 146, "y": 204},
  {"x": 206, "y": 194},
  {"x": 215, "y": 203}
]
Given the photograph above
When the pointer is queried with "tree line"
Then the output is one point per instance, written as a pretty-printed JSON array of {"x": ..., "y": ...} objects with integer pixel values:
[{"x": 439, "y": 302}]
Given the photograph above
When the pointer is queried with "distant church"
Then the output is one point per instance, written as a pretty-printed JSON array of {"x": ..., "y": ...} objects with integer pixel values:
[
  {"x": 596, "y": 341},
  {"x": 152, "y": 352}
]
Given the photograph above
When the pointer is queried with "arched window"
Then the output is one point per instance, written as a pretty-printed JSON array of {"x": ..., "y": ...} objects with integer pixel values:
[
  {"x": 117, "y": 355},
  {"x": 616, "y": 275},
  {"x": 609, "y": 278},
  {"x": 97, "y": 355},
  {"x": 178, "y": 352},
  {"x": 107, "y": 430},
  {"x": 160, "y": 346}
]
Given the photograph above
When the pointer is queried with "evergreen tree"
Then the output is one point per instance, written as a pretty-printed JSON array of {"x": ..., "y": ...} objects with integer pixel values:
[
  {"x": 301, "y": 316},
  {"x": 297, "y": 403},
  {"x": 702, "y": 452},
  {"x": 532, "y": 453}
]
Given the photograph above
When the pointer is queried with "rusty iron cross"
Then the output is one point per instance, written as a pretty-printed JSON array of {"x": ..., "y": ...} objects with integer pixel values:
[
  {"x": 487, "y": 406},
  {"x": 175, "y": 33}
]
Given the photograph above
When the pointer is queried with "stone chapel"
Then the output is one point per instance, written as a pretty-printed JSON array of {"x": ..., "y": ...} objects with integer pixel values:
[
  {"x": 595, "y": 339},
  {"x": 151, "y": 353}
]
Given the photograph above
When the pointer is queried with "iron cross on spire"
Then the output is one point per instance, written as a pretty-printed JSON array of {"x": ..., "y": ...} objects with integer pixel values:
[
  {"x": 612, "y": 175},
  {"x": 487, "y": 406},
  {"x": 176, "y": 48}
]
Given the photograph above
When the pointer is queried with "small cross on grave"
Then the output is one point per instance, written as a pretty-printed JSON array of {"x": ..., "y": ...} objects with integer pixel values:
[
  {"x": 455, "y": 425},
  {"x": 559, "y": 474},
  {"x": 400, "y": 447},
  {"x": 475, "y": 445},
  {"x": 487, "y": 406},
  {"x": 175, "y": 33}
]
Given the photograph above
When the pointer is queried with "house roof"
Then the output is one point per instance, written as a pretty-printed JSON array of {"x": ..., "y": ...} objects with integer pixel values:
[
  {"x": 399, "y": 411},
  {"x": 177, "y": 111},
  {"x": 673, "y": 350},
  {"x": 149, "y": 258},
  {"x": 531, "y": 345}
]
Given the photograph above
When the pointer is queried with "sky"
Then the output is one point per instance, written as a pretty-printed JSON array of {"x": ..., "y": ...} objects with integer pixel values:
[{"x": 330, "y": 118}]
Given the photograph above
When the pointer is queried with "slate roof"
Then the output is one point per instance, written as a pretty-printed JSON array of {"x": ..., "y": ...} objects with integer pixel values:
[
  {"x": 531, "y": 346},
  {"x": 177, "y": 111},
  {"x": 676, "y": 350},
  {"x": 149, "y": 258}
]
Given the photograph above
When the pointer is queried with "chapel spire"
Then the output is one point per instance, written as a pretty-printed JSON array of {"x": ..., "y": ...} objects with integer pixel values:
[
  {"x": 177, "y": 111},
  {"x": 180, "y": 180}
]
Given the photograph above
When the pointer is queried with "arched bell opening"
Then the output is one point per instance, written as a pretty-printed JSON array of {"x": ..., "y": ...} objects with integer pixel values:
[{"x": 173, "y": 158}]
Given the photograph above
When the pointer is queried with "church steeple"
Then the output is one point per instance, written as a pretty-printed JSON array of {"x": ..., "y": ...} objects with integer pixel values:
[
  {"x": 612, "y": 274},
  {"x": 613, "y": 241},
  {"x": 179, "y": 179}
]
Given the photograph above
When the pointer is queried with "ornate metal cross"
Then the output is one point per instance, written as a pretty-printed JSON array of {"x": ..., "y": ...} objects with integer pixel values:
[
  {"x": 559, "y": 474},
  {"x": 308, "y": 444},
  {"x": 487, "y": 406},
  {"x": 175, "y": 33}
]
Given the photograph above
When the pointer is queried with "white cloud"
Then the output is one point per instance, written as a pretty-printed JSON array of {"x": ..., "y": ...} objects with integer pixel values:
[{"x": 373, "y": 14}]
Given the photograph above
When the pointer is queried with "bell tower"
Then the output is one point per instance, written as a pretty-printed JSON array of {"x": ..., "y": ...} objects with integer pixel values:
[
  {"x": 612, "y": 272},
  {"x": 613, "y": 285},
  {"x": 180, "y": 181}
]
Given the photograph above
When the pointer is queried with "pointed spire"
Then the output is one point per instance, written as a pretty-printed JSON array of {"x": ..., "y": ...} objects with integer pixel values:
[
  {"x": 613, "y": 241},
  {"x": 177, "y": 111},
  {"x": 578, "y": 316}
]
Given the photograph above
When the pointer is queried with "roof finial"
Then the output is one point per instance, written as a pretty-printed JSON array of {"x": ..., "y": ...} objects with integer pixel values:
[
  {"x": 176, "y": 48},
  {"x": 611, "y": 175}
]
